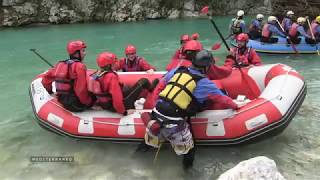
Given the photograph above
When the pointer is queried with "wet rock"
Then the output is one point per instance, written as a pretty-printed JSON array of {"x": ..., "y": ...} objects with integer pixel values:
[
  {"x": 255, "y": 168},
  {"x": 173, "y": 14}
]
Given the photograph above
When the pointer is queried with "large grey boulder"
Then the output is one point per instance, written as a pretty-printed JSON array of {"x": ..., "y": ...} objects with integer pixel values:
[{"x": 258, "y": 168}]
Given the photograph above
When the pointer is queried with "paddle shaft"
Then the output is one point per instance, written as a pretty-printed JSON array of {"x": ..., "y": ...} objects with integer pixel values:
[
  {"x": 42, "y": 58},
  {"x": 312, "y": 34},
  {"x": 292, "y": 45},
  {"x": 218, "y": 31}
]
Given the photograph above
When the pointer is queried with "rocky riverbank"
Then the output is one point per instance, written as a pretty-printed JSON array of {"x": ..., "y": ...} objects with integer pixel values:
[{"x": 24, "y": 12}]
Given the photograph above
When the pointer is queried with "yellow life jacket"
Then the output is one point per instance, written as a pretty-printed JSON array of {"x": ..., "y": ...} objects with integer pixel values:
[{"x": 179, "y": 90}]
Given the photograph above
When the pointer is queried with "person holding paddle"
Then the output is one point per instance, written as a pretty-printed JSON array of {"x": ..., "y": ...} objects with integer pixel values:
[
  {"x": 70, "y": 79},
  {"x": 244, "y": 56},
  {"x": 184, "y": 92},
  {"x": 270, "y": 29},
  {"x": 297, "y": 29},
  {"x": 314, "y": 29}
]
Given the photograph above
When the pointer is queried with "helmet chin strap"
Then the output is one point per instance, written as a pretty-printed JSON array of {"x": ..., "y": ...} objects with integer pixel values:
[{"x": 73, "y": 56}]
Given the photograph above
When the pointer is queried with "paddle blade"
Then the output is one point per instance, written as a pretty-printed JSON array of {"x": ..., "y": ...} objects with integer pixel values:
[
  {"x": 216, "y": 46},
  {"x": 205, "y": 10}
]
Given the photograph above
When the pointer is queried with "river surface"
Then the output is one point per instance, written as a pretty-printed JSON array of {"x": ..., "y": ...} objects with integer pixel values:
[{"x": 296, "y": 151}]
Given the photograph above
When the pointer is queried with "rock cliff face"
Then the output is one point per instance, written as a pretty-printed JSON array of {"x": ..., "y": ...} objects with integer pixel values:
[{"x": 24, "y": 12}]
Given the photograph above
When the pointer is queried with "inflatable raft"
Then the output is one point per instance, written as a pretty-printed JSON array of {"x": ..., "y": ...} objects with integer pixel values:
[
  {"x": 279, "y": 89},
  {"x": 282, "y": 47}
]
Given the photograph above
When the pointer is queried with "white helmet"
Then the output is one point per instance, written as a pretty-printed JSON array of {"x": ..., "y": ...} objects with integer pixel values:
[
  {"x": 260, "y": 16},
  {"x": 290, "y": 13},
  {"x": 301, "y": 20},
  {"x": 272, "y": 18},
  {"x": 240, "y": 13}
]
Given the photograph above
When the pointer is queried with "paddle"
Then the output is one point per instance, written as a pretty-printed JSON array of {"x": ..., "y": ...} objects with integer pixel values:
[
  {"x": 42, "y": 58},
  {"x": 312, "y": 34},
  {"x": 205, "y": 10},
  {"x": 217, "y": 46},
  {"x": 292, "y": 45},
  {"x": 245, "y": 77}
]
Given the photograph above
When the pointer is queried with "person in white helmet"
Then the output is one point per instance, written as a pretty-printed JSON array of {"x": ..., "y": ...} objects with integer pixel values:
[
  {"x": 237, "y": 24},
  {"x": 255, "y": 28},
  {"x": 270, "y": 29},
  {"x": 287, "y": 21},
  {"x": 297, "y": 29}
]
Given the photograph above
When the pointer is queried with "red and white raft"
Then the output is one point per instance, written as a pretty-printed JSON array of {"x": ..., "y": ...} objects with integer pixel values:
[{"x": 276, "y": 92}]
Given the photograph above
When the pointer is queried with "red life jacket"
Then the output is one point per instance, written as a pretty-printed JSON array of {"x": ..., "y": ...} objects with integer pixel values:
[
  {"x": 265, "y": 31},
  {"x": 135, "y": 65},
  {"x": 63, "y": 81},
  {"x": 293, "y": 31},
  {"x": 243, "y": 59},
  {"x": 94, "y": 86}
]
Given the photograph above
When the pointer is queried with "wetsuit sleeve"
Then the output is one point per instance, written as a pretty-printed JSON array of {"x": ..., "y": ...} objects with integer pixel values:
[
  {"x": 276, "y": 31},
  {"x": 80, "y": 84},
  {"x": 144, "y": 65},
  {"x": 255, "y": 58},
  {"x": 229, "y": 62},
  {"x": 47, "y": 80},
  {"x": 303, "y": 32},
  {"x": 119, "y": 65},
  {"x": 116, "y": 93},
  {"x": 206, "y": 91},
  {"x": 219, "y": 72}
]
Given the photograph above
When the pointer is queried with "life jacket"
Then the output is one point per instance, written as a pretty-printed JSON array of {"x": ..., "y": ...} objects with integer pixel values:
[
  {"x": 243, "y": 59},
  {"x": 293, "y": 31},
  {"x": 265, "y": 31},
  {"x": 135, "y": 65},
  {"x": 63, "y": 81},
  {"x": 179, "y": 92},
  {"x": 236, "y": 26},
  {"x": 94, "y": 86},
  {"x": 314, "y": 27}
]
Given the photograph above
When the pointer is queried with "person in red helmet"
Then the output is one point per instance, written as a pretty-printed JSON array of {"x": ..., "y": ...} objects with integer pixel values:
[
  {"x": 189, "y": 50},
  {"x": 179, "y": 52},
  {"x": 105, "y": 85},
  {"x": 242, "y": 54},
  {"x": 133, "y": 62},
  {"x": 195, "y": 36},
  {"x": 70, "y": 79}
]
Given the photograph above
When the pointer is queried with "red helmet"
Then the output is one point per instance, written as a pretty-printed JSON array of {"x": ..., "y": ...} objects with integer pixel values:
[
  {"x": 184, "y": 37},
  {"x": 106, "y": 58},
  {"x": 243, "y": 37},
  {"x": 195, "y": 36},
  {"x": 192, "y": 45},
  {"x": 74, "y": 46},
  {"x": 130, "y": 49}
]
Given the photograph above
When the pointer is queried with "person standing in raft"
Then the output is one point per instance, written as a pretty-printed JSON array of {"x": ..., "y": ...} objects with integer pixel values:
[
  {"x": 185, "y": 91},
  {"x": 245, "y": 56},
  {"x": 270, "y": 29},
  {"x": 255, "y": 28},
  {"x": 132, "y": 62},
  {"x": 70, "y": 79},
  {"x": 105, "y": 85},
  {"x": 237, "y": 24}
]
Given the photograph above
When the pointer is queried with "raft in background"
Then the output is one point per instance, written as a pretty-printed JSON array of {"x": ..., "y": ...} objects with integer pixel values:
[
  {"x": 281, "y": 92},
  {"x": 282, "y": 47}
]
